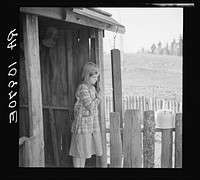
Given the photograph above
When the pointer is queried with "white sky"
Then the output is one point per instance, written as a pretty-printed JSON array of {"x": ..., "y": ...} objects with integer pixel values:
[{"x": 144, "y": 26}]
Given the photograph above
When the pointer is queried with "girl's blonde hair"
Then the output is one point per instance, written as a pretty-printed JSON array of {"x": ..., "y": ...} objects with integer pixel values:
[{"x": 89, "y": 69}]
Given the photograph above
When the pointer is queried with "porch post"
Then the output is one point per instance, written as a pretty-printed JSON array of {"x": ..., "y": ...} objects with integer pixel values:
[
  {"x": 32, "y": 66},
  {"x": 102, "y": 161}
]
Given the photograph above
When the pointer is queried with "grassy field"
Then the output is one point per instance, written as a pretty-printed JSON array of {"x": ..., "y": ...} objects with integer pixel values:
[{"x": 145, "y": 74}]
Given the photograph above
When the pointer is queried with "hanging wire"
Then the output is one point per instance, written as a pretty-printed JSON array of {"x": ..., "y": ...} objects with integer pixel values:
[{"x": 115, "y": 36}]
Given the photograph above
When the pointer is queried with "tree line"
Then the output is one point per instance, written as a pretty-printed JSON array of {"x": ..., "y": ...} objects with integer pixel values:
[{"x": 175, "y": 48}]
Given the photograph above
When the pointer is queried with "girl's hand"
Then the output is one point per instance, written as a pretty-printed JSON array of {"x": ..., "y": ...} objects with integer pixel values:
[{"x": 99, "y": 94}]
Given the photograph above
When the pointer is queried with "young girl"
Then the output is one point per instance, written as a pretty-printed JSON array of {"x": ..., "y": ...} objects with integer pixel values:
[{"x": 86, "y": 137}]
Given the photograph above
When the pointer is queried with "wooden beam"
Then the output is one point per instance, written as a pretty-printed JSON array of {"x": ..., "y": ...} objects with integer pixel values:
[
  {"x": 86, "y": 21},
  {"x": 68, "y": 15},
  {"x": 97, "y": 16},
  {"x": 32, "y": 66},
  {"x": 102, "y": 161},
  {"x": 117, "y": 83},
  {"x": 55, "y": 13}
]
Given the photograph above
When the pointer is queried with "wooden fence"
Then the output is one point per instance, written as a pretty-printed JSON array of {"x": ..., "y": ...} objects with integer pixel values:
[
  {"x": 143, "y": 104},
  {"x": 138, "y": 147},
  {"x": 138, "y": 133}
]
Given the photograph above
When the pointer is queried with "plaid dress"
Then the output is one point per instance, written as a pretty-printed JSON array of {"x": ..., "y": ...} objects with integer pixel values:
[
  {"x": 85, "y": 111},
  {"x": 86, "y": 137}
]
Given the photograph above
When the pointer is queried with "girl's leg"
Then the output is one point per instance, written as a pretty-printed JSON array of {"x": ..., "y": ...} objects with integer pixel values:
[
  {"x": 83, "y": 162},
  {"x": 76, "y": 162}
]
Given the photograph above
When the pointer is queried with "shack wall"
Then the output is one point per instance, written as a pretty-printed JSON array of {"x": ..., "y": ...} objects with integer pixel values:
[{"x": 60, "y": 75}]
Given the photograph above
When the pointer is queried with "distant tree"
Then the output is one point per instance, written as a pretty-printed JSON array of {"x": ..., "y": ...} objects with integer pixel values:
[
  {"x": 180, "y": 46},
  {"x": 159, "y": 48},
  {"x": 165, "y": 50},
  {"x": 173, "y": 48},
  {"x": 153, "y": 48}
]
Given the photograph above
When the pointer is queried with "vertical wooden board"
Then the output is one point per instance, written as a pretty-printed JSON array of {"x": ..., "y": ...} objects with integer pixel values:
[
  {"x": 149, "y": 139},
  {"x": 63, "y": 69},
  {"x": 166, "y": 148},
  {"x": 70, "y": 70},
  {"x": 132, "y": 146},
  {"x": 129, "y": 102},
  {"x": 55, "y": 136},
  {"x": 127, "y": 139},
  {"x": 32, "y": 64},
  {"x": 46, "y": 74},
  {"x": 31, "y": 147},
  {"x": 144, "y": 104},
  {"x": 156, "y": 108},
  {"x": 47, "y": 138},
  {"x": 23, "y": 99},
  {"x": 102, "y": 161},
  {"x": 117, "y": 82},
  {"x": 24, "y": 122},
  {"x": 81, "y": 51},
  {"x": 93, "y": 59},
  {"x": 54, "y": 81},
  {"x": 115, "y": 140},
  {"x": 178, "y": 140},
  {"x": 23, "y": 90},
  {"x": 21, "y": 156},
  {"x": 75, "y": 52},
  {"x": 63, "y": 132},
  {"x": 136, "y": 140}
]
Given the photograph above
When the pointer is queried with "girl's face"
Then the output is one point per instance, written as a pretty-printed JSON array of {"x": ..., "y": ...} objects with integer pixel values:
[{"x": 93, "y": 79}]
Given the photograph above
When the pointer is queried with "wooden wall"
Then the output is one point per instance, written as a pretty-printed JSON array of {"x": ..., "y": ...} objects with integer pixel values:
[{"x": 60, "y": 75}]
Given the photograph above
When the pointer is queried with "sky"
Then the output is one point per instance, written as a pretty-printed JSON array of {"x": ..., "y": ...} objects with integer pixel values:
[{"x": 144, "y": 26}]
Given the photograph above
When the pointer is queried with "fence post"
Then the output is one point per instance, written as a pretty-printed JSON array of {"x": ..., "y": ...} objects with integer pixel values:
[
  {"x": 115, "y": 140},
  {"x": 166, "y": 152},
  {"x": 148, "y": 139},
  {"x": 178, "y": 140},
  {"x": 132, "y": 147}
]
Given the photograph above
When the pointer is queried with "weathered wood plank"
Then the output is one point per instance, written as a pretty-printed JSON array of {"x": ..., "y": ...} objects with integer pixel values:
[
  {"x": 32, "y": 64},
  {"x": 28, "y": 151},
  {"x": 166, "y": 148},
  {"x": 102, "y": 162},
  {"x": 115, "y": 140},
  {"x": 86, "y": 21},
  {"x": 54, "y": 137},
  {"x": 71, "y": 83},
  {"x": 117, "y": 82},
  {"x": 148, "y": 139},
  {"x": 83, "y": 47},
  {"x": 97, "y": 57},
  {"x": 47, "y": 138},
  {"x": 23, "y": 96},
  {"x": 178, "y": 140},
  {"x": 132, "y": 143},
  {"x": 55, "y": 13},
  {"x": 62, "y": 78}
]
